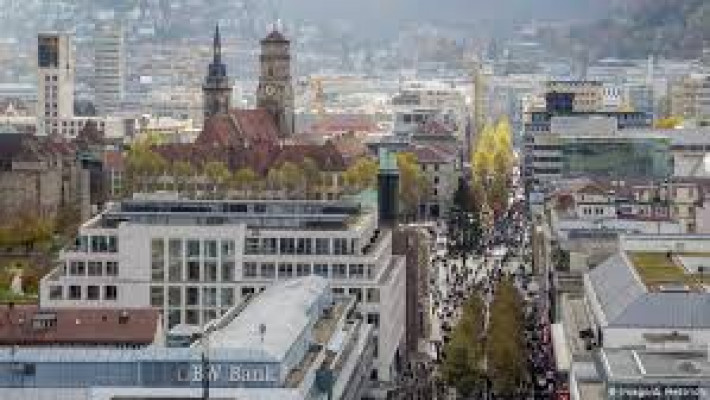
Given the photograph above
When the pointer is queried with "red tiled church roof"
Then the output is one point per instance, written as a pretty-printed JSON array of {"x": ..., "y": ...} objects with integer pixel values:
[
  {"x": 239, "y": 128},
  {"x": 327, "y": 156}
]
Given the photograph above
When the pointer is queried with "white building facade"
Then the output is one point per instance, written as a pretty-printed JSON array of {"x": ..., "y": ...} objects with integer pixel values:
[{"x": 193, "y": 260}]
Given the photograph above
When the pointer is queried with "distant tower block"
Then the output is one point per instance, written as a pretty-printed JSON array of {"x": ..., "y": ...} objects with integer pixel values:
[{"x": 55, "y": 81}]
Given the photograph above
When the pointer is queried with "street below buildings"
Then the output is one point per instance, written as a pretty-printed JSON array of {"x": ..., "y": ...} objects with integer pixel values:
[{"x": 505, "y": 254}]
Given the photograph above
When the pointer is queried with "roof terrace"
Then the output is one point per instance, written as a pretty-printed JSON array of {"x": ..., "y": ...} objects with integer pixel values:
[
  {"x": 304, "y": 214},
  {"x": 664, "y": 271}
]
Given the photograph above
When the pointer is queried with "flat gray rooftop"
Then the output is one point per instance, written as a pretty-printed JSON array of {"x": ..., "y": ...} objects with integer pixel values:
[
  {"x": 294, "y": 214},
  {"x": 628, "y": 365}
]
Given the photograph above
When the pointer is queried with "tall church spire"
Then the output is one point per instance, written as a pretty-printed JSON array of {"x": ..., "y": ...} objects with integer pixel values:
[
  {"x": 217, "y": 88},
  {"x": 217, "y": 47},
  {"x": 217, "y": 68}
]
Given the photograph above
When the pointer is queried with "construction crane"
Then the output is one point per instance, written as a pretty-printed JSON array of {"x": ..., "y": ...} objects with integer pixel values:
[{"x": 317, "y": 96}]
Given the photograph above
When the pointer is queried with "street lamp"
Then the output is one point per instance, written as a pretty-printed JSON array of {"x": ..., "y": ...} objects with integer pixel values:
[{"x": 205, "y": 359}]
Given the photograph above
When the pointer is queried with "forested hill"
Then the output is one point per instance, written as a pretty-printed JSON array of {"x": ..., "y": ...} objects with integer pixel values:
[{"x": 637, "y": 28}]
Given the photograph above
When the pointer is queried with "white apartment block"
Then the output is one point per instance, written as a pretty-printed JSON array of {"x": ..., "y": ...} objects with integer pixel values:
[
  {"x": 55, "y": 75},
  {"x": 193, "y": 260},
  {"x": 109, "y": 68}
]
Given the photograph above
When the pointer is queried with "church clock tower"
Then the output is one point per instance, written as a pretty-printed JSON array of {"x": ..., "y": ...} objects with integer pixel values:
[
  {"x": 217, "y": 90},
  {"x": 275, "y": 92}
]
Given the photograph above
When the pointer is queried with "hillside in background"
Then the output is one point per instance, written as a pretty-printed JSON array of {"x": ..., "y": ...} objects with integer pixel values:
[{"x": 638, "y": 28}]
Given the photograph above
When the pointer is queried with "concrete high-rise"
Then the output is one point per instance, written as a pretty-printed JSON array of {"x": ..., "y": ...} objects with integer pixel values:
[
  {"x": 109, "y": 68},
  {"x": 55, "y": 74}
]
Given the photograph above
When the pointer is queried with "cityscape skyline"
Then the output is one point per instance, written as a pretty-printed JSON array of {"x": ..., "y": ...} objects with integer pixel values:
[{"x": 381, "y": 200}]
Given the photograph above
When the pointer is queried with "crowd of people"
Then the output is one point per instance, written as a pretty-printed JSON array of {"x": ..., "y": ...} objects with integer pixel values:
[{"x": 506, "y": 249}]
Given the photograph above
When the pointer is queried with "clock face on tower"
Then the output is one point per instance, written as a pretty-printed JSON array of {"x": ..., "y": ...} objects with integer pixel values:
[{"x": 270, "y": 90}]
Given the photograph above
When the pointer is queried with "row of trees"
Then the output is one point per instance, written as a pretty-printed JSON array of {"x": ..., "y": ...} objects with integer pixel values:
[
  {"x": 26, "y": 230},
  {"x": 464, "y": 223},
  {"x": 506, "y": 350},
  {"x": 147, "y": 171},
  {"x": 492, "y": 164},
  {"x": 478, "y": 356},
  {"x": 464, "y": 366},
  {"x": 414, "y": 186}
]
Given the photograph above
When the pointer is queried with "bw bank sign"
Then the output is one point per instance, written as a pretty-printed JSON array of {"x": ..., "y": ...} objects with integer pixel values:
[
  {"x": 227, "y": 373},
  {"x": 191, "y": 374}
]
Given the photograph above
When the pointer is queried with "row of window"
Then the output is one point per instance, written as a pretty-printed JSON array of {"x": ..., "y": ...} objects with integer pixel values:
[
  {"x": 97, "y": 244},
  {"x": 268, "y": 270},
  {"x": 211, "y": 301},
  {"x": 193, "y": 271},
  {"x": 192, "y": 248},
  {"x": 77, "y": 292},
  {"x": 91, "y": 268},
  {"x": 303, "y": 246},
  {"x": 593, "y": 211}
]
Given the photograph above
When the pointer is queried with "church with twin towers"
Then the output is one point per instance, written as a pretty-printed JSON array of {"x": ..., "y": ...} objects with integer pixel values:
[{"x": 275, "y": 91}]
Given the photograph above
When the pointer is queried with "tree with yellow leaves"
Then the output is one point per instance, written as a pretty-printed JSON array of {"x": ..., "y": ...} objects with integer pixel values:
[
  {"x": 492, "y": 163},
  {"x": 361, "y": 175},
  {"x": 668, "y": 123}
]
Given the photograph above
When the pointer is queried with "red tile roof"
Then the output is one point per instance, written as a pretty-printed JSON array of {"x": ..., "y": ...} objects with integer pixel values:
[
  {"x": 114, "y": 160},
  {"x": 430, "y": 155},
  {"x": 434, "y": 127},
  {"x": 327, "y": 156},
  {"x": 19, "y": 325},
  {"x": 343, "y": 123},
  {"x": 256, "y": 125},
  {"x": 238, "y": 128},
  {"x": 351, "y": 147}
]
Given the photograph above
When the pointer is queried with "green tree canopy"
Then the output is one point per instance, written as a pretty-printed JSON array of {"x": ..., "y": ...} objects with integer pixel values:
[{"x": 506, "y": 350}]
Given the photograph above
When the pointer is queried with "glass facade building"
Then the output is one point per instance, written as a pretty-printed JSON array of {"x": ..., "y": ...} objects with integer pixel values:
[{"x": 606, "y": 157}]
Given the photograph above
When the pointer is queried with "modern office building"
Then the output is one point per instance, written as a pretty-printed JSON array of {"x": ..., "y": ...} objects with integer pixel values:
[
  {"x": 109, "y": 69},
  {"x": 55, "y": 81},
  {"x": 593, "y": 145},
  {"x": 194, "y": 260},
  {"x": 649, "y": 325},
  {"x": 296, "y": 340}
]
